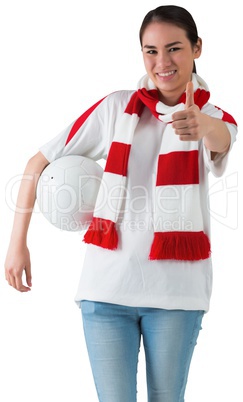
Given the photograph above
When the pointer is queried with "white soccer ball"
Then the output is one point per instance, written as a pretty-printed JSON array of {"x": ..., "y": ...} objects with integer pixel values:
[{"x": 67, "y": 190}]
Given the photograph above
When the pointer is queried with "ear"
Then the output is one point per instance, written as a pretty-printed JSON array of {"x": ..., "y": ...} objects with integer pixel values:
[{"x": 198, "y": 49}]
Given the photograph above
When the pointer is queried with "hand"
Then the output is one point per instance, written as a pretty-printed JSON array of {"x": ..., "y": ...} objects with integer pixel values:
[
  {"x": 18, "y": 261},
  {"x": 188, "y": 123}
]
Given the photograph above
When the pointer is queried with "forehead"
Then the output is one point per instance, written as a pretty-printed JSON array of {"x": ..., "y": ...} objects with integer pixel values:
[{"x": 162, "y": 33}]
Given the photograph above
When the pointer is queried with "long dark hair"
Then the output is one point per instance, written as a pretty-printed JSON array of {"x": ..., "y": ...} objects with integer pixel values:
[{"x": 176, "y": 15}]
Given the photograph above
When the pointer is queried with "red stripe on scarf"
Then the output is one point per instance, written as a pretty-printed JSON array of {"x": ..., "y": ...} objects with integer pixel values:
[
  {"x": 201, "y": 96},
  {"x": 117, "y": 159},
  {"x": 178, "y": 168},
  {"x": 150, "y": 99},
  {"x": 191, "y": 246},
  {"x": 135, "y": 106},
  {"x": 80, "y": 121}
]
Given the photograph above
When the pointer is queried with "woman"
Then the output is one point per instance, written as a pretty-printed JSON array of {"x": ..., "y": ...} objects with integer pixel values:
[{"x": 147, "y": 270}]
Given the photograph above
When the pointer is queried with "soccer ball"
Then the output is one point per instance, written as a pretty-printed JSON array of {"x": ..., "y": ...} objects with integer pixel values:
[{"x": 67, "y": 190}]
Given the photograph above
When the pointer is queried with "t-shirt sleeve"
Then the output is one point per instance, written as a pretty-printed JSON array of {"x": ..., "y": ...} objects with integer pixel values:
[
  {"x": 218, "y": 165},
  {"x": 91, "y": 134}
]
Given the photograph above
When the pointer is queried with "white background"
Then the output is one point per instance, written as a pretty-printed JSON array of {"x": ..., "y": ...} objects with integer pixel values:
[{"x": 57, "y": 59}]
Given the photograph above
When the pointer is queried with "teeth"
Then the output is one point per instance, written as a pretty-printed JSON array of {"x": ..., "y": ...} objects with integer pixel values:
[{"x": 166, "y": 74}]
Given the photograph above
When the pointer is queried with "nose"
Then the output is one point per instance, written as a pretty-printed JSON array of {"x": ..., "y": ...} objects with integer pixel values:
[{"x": 164, "y": 59}]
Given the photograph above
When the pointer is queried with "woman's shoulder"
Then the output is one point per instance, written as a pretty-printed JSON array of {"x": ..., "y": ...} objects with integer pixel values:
[
  {"x": 121, "y": 96},
  {"x": 113, "y": 103}
]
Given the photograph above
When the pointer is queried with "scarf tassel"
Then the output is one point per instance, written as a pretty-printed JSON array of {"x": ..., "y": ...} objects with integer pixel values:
[
  {"x": 102, "y": 233},
  {"x": 190, "y": 246}
]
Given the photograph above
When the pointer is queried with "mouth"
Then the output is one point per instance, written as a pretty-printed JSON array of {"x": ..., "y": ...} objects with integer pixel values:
[{"x": 166, "y": 74}]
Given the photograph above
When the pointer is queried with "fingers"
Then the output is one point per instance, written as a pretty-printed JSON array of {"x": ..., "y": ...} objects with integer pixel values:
[
  {"x": 14, "y": 279},
  {"x": 189, "y": 95},
  {"x": 20, "y": 286}
]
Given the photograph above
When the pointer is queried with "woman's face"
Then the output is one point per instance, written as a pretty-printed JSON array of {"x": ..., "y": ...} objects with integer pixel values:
[{"x": 168, "y": 58}]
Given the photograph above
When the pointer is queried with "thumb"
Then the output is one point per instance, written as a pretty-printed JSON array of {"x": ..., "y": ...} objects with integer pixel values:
[{"x": 189, "y": 95}]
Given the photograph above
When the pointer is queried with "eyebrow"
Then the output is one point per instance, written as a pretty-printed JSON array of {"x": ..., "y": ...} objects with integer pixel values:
[{"x": 166, "y": 46}]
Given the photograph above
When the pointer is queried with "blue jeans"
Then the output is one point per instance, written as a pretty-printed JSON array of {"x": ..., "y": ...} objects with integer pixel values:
[{"x": 113, "y": 334}]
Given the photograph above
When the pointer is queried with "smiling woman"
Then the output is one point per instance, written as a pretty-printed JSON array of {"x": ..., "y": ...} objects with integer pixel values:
[
  {"x": 147, "y": 272},
  {"x": 170, "y": 45}
]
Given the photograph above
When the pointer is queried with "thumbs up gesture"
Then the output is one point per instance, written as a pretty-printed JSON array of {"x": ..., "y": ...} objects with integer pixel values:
[{"x": 187, "y": 123}]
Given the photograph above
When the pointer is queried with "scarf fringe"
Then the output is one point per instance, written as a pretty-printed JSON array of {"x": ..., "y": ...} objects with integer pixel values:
[
  {"x": 190, "y": 246},
  {"x": 102, "y": 233}
]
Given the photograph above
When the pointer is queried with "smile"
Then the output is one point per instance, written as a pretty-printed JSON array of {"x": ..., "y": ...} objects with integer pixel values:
[{"x": 167, "y": 74}]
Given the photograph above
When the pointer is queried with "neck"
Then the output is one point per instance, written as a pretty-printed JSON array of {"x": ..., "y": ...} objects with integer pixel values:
[{"x": 170, "y": 98}]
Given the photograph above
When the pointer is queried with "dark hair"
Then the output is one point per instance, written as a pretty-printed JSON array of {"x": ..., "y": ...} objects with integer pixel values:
[{"x": 176, "y": 15}]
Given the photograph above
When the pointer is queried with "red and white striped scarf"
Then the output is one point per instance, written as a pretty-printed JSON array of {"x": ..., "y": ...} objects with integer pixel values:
[{"x": 177, "y": 176}]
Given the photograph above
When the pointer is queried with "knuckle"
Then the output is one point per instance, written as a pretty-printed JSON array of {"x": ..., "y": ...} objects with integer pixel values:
[{"x": 8, "y": 268}]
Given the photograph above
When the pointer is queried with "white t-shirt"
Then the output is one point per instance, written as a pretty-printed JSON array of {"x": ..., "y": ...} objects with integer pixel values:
[{"x": 126, "y": 276}]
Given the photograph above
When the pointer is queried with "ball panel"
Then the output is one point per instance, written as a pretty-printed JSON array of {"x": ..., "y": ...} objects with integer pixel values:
[{"x": 67, "y": 190}]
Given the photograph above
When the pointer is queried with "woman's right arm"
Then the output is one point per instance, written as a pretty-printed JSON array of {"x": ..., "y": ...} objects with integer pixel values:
[
  {"x": 18, "y": 259},
  {"x": 90, "y": 135}
]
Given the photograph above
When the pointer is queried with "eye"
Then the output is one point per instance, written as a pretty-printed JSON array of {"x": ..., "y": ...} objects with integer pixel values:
[
  {"x": 151, "y": 52},
  {"x": 173, "y": 49}
]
